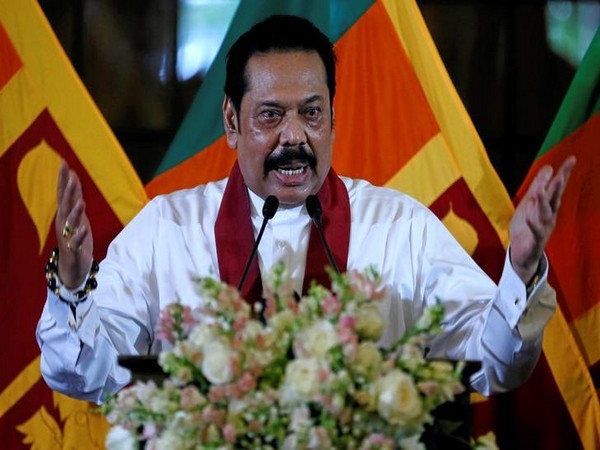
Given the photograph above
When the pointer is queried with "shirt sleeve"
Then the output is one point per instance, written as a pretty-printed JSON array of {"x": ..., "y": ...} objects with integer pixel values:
[
  {"x": 80, "y": 343},
  {"x": 511, "y": 341},
  {"x": 496, "y": 324},
  {"x": 78, "y": 357}
]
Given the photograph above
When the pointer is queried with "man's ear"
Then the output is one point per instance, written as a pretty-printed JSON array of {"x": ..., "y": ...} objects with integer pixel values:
[
  {"x": 332, "y": 124},
  {"x": 230, "y": 123}
]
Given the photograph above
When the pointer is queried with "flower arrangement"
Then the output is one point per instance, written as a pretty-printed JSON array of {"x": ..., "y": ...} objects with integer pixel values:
[{"x": 288, "y": 375}]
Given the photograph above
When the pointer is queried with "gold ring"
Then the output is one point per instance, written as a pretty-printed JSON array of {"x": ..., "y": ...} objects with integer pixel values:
[{"x": 68, "y": 230}]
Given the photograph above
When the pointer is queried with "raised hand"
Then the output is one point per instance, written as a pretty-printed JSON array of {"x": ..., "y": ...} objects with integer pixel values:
[
  {"x": 73, "y": 231},
  {"x": 535, "y": 218}
]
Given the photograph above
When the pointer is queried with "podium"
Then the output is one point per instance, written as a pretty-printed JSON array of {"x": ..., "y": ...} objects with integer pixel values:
[{"x": 451, "y": 431}]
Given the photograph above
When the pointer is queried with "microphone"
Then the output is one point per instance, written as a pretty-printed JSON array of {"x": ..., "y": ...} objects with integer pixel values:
[
  {"x": 268, "y": 211},
  {"x": 313, "y": 206}
]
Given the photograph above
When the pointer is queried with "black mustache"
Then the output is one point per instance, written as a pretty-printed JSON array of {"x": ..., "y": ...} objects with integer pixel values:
[{"x": 288, "y": 155}]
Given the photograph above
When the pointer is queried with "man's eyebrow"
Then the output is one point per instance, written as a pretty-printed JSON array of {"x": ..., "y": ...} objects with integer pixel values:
[
  {"x": 313, "y": 98},
  {"x": 278, "y": 104},
  {"x": 271, "y": 103}
]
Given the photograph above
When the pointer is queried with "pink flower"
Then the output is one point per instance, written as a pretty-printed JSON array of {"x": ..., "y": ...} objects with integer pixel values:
[
  {"x": 346, "y": 330},
  {"x": 247, "y": 382},
  {"x": 377, "y": 441},
  {"x": 239, "y": 324},
  {"x": 149, "y": 431},
  {"x": 347, "y": 335},
  {"x": 323, "y": 375},
  {"x": 359, "y": 283},
  {"x": 331, "y": 305},
  {"x": 347, "y": 322},
  {"x": 229, "y": 433},
  {"x": 213, "y": 416},
  {"x": 189, "y": 321},
  {"x": 217, "y": 393},
  {"x": 165, "y": 327},
  {"x": 191, "y": 398}
]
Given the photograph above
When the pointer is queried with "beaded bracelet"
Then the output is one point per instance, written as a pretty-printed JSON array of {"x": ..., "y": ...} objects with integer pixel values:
[{"x": 53, "y": 282}]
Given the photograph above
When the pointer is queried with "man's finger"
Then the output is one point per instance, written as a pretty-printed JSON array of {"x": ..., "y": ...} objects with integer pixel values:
[
  {"x": 61, "y": 185},
  {"x": 541, "y": 180},
  {"x": 558, "y": 184},
  {"x": 544, "y": 210},
  {"x": 73, "y": 221},
  {"x": 71, "y": 195},
  {"x": 76, "y": 242}
]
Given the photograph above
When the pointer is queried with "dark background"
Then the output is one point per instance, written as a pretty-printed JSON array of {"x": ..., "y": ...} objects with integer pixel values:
[{"x": 497, "y": 54}]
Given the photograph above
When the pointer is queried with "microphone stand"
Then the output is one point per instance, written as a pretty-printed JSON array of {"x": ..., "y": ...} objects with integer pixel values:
[
  {"x": 313, "y": 206},
  {"x": 268, "y": 211}
]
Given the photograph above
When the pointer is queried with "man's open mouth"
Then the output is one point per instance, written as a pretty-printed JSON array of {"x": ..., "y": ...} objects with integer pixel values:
[
  {"x": 289, "y": 171},
  {"x": 292, "y": 161}
]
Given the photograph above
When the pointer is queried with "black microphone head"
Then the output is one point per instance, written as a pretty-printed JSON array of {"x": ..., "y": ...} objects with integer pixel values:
[
  {"x": 270, "y": 207},
  {"x": 313, "y": 206}
]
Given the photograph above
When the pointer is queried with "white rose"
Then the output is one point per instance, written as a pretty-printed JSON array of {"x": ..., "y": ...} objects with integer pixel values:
[
  {"x": 317, "y": 339},
  {"x": 161, "y": 402},
  {"x": 252, "y": 331},
  {"x": 170, "y": 439},
  {"x": 398, "y": 400},
  {"x": 119, "y": 438},
  {"x": 201, "y": 335},
  {"x": 217, "y": 363},
  {"x": 369, "y": 323},
  {"x": 412, "y": 356},
  {"x": 282, "y": 320},
  {"x": 368, "y": 359},
  {"x": 301, "y": 381}
]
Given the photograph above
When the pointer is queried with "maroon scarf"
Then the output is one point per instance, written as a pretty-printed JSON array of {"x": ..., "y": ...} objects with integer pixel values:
[{"x": 235, "y": 236}]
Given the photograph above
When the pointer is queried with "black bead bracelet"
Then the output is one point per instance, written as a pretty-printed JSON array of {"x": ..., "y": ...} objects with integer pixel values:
[{"x": 52, "y": 277}]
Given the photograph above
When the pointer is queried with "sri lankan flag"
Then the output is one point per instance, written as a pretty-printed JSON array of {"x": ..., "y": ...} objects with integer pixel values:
[
  {"x": 572, "y": 340},
  {"x": 46, "y": 115}
]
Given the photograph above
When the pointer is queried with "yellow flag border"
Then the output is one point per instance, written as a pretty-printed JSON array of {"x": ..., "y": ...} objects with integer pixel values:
[
  {"x": 455, "y": 124},
  {"x": 69, "y": 102}
]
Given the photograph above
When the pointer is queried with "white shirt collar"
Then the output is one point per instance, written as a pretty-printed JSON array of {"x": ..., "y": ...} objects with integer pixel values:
[{"x": 256, "y": 206}]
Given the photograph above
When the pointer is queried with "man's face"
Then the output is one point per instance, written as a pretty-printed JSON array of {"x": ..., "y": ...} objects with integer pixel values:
[{"x": 283, "y": 132}]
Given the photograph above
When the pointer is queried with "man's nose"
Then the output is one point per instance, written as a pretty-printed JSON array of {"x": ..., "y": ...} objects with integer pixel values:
[{"x": 292, "y": 131}]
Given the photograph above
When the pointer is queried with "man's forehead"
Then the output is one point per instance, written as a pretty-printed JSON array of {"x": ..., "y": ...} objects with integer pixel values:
[{"x": 286, "y": 61}]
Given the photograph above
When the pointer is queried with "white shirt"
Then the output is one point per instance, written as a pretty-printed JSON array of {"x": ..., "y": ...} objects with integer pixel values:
[{"x": 151, "y": 263}]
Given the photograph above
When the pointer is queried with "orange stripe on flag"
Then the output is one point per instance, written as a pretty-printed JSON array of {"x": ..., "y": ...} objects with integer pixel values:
[
  {"x": 456, "y": 127},
  {"x": 211, "y": 164},
  {"x": 376, "y": 134},
  {"x": 11, "y": 62}
]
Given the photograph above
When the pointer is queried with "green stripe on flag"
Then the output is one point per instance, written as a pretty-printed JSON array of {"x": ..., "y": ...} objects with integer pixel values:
[
  {"x": 582, "y": 99},
  {"x": 203, "y": 123}
]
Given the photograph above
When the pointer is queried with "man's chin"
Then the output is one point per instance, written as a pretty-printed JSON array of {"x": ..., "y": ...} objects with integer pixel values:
[
  {"x": 292, "y": 196},
  {"x": 290, "y": 201}
]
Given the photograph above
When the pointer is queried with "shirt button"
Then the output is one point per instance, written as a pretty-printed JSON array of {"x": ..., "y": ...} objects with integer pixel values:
[{"x": 280, "y": 244}]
